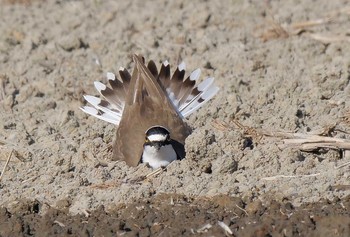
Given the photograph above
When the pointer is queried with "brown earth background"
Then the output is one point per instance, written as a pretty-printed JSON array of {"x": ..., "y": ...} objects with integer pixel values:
[{"x": 281, "y": 66}]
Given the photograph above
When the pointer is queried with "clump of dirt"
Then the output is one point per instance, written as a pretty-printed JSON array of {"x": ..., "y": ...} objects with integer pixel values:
[{"x": 177, "y": 215}]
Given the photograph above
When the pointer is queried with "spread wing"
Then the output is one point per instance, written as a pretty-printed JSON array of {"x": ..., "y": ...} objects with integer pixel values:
[
  {"x": 110, "y": 107},
  {"x": 149, "y": 97},
  {"x": 186, "y": 94},
  {"x": 147, "y": 105}
]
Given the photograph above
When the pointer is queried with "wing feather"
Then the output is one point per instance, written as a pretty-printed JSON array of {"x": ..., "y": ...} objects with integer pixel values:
[{"x": 148, "y": 97}]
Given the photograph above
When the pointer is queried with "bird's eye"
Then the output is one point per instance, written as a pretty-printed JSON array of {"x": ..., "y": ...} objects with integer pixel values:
[{"x": 168, "y": 138}]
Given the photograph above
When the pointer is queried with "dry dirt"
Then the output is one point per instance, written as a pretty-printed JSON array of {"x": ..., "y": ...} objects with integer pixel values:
[
  {"x": 281, "y": 66},
  {"x": 171, "y": 215}
]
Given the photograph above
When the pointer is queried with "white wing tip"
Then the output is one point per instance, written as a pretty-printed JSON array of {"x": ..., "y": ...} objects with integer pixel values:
[
  {"x": 211, "y": 92},
  {"x": 100, "y": 86},
  {"x": 92, "y": 99},
  {"x": 89, "y": 110},
  {"x": 205, "y": 84},
  {"x": 105, "y": 117},
  {"x": 182, "y": 66},
  {"x": 110, "y": 76},
  {"x": 195, "y": 74}
]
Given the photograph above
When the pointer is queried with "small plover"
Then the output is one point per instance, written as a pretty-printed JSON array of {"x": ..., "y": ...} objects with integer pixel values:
[{"x": 149, "y": 108}]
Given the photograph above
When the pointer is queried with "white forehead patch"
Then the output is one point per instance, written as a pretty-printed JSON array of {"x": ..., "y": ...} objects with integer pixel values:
[{"x": 157, "y": 137}]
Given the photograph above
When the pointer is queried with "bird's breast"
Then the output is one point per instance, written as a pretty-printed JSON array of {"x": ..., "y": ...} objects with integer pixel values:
[{"x": 158, "y": 157}]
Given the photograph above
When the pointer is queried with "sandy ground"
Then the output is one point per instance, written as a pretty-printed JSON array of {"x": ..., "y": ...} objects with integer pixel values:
[{"x": 276, "y": 72}]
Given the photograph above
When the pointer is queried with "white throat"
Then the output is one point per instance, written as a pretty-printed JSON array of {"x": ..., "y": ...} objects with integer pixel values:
[{"x": 158, "y": 158}]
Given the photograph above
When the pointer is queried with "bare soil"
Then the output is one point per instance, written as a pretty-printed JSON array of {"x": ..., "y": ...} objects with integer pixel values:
[
  {"x": 172, "y": 215},
  {"x": 281, "y": 66}
]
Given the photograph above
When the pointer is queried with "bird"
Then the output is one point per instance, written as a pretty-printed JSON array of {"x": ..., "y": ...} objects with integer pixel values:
[
  {"x": 149, "y": 108},
  {"x": 158, "y": 150}
]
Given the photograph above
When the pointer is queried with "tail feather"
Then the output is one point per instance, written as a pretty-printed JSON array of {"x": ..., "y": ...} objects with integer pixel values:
[
  {"x": 177, "y": 80},
  {"x": 103, "y": 116},
  {"x": 126, "y": 77},
  {"x": 152, "y": 68},
  {"x": 116, "y": 84},
  {"x": 197, "y": 92},
  {"x": 204, "y": 98},
  {"x": 164, "y": 74},
  {"x": 188, "y": 85},
  {"x": 186, "y": 95},
  {"x": 103, "y": 105},
  {"x": 110, "y": 95}
]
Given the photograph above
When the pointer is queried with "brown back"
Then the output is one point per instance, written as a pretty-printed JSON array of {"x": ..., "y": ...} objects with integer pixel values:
[{"x": 146, "y": 105}]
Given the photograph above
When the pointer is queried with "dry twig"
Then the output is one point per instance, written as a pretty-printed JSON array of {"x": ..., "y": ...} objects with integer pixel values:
[
  {"x": 310, "y": 142},
  {"x": 302, "y": 141},
  {"x": 204, "y": 228},
  {"x": 59, "y": 223},
  {"x": 311, "y": 23},
  {"x": 3, "y": 79},
  {"x": 225, "y": 227},
  {"x": 290, "y": 176},
  {"x": 342, "y": 165},
  {"x": 155, "y": 172},
  {"x": 240, "y": 208},
  {"x": 278, "y": 30},
  {"x": 105, "y": 185},
  {"x": 329, "y": 39},
  {"x": 6, "y": 164},
  {"x": 220, "y": 125}
]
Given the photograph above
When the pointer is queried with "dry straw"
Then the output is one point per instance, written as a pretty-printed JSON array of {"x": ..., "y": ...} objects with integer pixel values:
[{"x": 6, "y": 164}]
